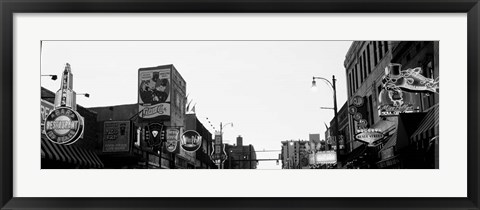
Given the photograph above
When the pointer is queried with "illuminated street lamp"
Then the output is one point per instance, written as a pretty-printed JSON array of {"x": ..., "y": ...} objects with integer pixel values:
[{"x": 332, "y": 84}]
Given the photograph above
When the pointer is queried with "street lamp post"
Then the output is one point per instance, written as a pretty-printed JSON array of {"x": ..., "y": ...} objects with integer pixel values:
[
  {"x": 335, "y": 131},
  {"x": 220, "y": 165}
]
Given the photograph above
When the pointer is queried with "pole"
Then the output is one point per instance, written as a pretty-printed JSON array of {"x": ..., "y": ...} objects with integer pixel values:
[
  {"x": 336, "y": 120},
  {"x": 250, "y": 156}
]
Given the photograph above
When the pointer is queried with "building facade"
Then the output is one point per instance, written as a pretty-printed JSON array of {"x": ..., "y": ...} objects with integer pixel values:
[
  {"x": 202, "y": 155},
  {"x": 366, "y": 63},
  {"x": 294, "y": 154},
  {"x": 240, "y": 156}
]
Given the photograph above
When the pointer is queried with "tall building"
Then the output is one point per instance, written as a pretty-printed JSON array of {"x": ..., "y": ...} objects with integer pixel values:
[
  {"x": 240, "y": 156},
  {"x": 367, "y": 64},
  {"x": 294, "y": 155}
]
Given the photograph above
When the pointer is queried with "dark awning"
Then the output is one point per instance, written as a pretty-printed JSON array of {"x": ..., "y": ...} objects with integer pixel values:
[
  {"x": 428, "y": 127},
  {"x": 70, "y": 154},
  {"x": 357, "y": 152}
]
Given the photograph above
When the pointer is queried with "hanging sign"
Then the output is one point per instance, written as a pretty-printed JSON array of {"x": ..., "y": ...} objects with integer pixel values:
[
  {"x": 369, "y": 136},
  {"x": 63, "y": 126},
  {"x": 156, "y": 132},
  {"x": 191, "y": 141},
  {"x": 172, "y": 137},
  {"x": 398, "y": 85},
  {"x": 218, "y": 153}
]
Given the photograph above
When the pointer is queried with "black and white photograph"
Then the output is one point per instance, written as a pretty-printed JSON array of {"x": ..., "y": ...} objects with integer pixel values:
[{"x": 239, "y": 104}]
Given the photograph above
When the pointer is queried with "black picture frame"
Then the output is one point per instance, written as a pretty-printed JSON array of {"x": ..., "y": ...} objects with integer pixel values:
[{"x": 10, "y": 7}]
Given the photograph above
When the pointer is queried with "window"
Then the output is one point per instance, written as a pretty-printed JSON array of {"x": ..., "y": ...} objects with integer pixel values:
[
  {"x": 365, "y": 65},
  {"x": 368, "y": 59},
  {"x": 355, "y": 79},
  {"x": 386, "y": 46},
  {"x": 380, "y": 50},
  {"x": 351, "y": 81},
  {"x": 370, "y": 106},
  {"x": 375, "y": 50},
  {"x": 361, "y": 70}
]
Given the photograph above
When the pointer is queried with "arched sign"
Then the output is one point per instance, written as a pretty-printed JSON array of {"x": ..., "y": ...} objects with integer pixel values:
[{"x": 63, "y": 126}]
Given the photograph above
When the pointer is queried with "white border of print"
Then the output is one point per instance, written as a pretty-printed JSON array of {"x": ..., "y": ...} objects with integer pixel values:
[{"x": 449, "y": 29}]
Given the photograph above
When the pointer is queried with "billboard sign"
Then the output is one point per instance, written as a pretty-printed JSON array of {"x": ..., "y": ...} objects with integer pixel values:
[
  {"x": 116, "y": 136},
  {"x": 154, "y": 90}
]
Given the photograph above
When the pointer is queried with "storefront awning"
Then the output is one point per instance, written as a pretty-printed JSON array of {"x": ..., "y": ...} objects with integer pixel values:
[
  {"x": 428, "y": 127},
  {"x": 70, "y": 154},
  {"x": 357, "y": 152}
]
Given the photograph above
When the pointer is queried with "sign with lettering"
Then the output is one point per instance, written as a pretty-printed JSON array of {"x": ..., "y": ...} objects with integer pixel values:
[
  {"x": 191, "y": 141},
  {"x": 45, "y": 109},
  {"x": 63, "y": 126},
  {"x": 154, "y": 90},
  {"x": 116, "y": 136},
  {"x": 325, "y": 157},
  {"x": 172, "y": 136},
  {"x": 369, "y": 136}
]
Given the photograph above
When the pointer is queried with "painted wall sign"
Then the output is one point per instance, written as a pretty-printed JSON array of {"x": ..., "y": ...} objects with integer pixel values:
[
  {"x": 116, "y": 136},
  {"x": 63, "y": 126},
  {"x": 154, "y": 93},
  {"x": 369, "y": 136},
  {"x": 191, "y": 141}
]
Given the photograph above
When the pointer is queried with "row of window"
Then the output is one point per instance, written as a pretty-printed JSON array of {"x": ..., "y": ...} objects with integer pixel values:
[{"x": 364, "y": 65}]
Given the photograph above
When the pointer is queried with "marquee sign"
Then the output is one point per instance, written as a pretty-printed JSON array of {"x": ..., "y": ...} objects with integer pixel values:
[
  {"x": 63, "y": 126},
  {"x": 369, "y": 136}
]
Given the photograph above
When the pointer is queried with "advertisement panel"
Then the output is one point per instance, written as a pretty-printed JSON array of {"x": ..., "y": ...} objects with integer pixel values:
[
  {"x": 154, "y": 93},
  {"x": 116, "y": 136}
]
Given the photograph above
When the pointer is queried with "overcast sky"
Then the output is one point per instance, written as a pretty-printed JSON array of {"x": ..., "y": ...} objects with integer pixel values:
[{"x": 262, "y": 87}]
